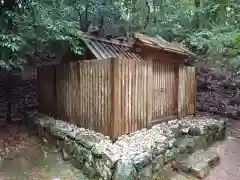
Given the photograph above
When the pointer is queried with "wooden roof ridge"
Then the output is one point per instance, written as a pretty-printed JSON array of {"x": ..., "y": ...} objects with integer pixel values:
[
  {"x": 162, "y": 44},
  {"x": 113, "y": 41}
]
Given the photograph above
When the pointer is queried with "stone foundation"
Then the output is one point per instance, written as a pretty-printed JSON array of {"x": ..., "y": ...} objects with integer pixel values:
[{"x": 134, "y": 156}]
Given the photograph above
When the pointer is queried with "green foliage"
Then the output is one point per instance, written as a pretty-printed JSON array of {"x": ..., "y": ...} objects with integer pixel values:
[
  {"x": 34, "y": 23},
  {"x": 211, "y": 29},
  {"x": 207, "y": 27}
]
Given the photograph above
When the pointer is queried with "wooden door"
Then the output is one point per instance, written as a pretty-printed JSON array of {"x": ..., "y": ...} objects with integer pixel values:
[{"x": 164, "y": 91}]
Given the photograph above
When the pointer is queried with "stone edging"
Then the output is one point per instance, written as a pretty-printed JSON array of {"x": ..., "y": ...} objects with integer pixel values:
[{"x": 134, "y": 156}]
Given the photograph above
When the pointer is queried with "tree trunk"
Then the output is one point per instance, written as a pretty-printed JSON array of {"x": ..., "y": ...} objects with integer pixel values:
[{"x": 197, "y": 4}]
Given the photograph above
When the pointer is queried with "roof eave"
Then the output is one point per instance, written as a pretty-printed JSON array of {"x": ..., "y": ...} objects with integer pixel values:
[{"x": 167, "y": 50}]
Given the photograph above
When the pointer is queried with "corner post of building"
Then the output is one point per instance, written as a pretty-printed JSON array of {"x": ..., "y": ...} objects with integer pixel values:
[
  {"x": 115, "y": 123},
  {"x": 179, "y": 90},
  {"x": 195, "y": 92}
]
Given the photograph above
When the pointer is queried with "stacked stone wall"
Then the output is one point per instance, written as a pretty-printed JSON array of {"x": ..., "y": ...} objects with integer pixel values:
[{"x": 133, "y": 156}]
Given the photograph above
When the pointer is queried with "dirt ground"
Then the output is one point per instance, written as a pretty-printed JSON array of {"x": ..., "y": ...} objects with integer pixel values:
[
  {"x": 229, "y": 152},
  {"x": 24, "y": 157}
]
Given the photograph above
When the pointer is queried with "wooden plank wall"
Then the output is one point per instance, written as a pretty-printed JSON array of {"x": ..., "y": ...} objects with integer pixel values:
[
  {"x": 84, "y": 94},
  {"x": 187, "y": 91},
  {"x": 130, "y": 97},
  {"x": 46, "y": 90},
  {"x": 115, "y": 96},
  {"x": 164, "y": 91}
]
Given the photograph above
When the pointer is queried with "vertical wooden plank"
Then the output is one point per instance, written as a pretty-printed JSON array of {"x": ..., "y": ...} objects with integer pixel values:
[
  {"x": 170, "y": 94},
  {"x": 189, "y": 87},
  {"x": 133, "y": 98},
  {"x": 128, "y": 74},
  {"x": 80, "y": 99},
  {"x": 138, "y": 95},
  {"x": 79, "y": 108},
  {"x": 108, "y": 99},
  {"x": 121, "y": 94},
  {"x": 95, "y": 102},
  {"x": 149, "y": 91},
  {"x": 125, "y": 90},
  {"x": 195, "y": 90},
  {"x": 84, "y": 95},
  {"x": 161, "y": 89},
  {"x": 102, "y": 95},
  {"x": 176, "y": 88},
  {"x": 145, "y": 94},
  {"x": 180, "y": 67},
  {"x": 186, "y": 99},
  {"x": 142, "y": 95},
  {"x": 89, "y": 122},
  {"x": 128, "y": 92},
  {"x": 166, "y": 75},
  {"x": 105, "y": 66},
  {"x": 115, "y": 98},
  {"x": 99, "y": 94},
  {"x": 95, "y": 119},
  {"x": 111, "y": 79}
]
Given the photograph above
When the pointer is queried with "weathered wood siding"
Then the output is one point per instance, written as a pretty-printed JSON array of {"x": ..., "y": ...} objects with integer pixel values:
[
  {"x": 84, "y": 94},
  {"x": 187, "y": 91},
  {"x": 164, "y": 91},
  {"x": 130, "y": 95},
  {"x": 116, "y": 96}
]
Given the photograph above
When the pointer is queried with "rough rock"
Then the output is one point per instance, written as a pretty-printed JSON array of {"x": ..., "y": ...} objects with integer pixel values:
[
  {"x": 65, "y": 155},
  {"x": 171, "y": 142},
  {"x": 89, "y": 139},
  {"x": 159, "y": 149},
  {"x": 158, "y": 163},
  {"x": 68, "y": 146},
  {"x": 200, "y": 169},
  {"x": 103, "y": 170},
  {"x": 146, "y": 173},
  {"x": 89, "y": 170},
  {"x": 135, "y": 155},
  {"x": 125, "y": 170},
  {"x": 170, "y": 155},
  {"x": 200, "y": 142},
  {"x": 141, "y": 160},
  {"x": 198, "y": 164},
  {"x": 110, "y": 157},
  {"x": 185, "y": 144},
  {"x": 101, "y": 147},
  {"x": 196, "y": 131}
]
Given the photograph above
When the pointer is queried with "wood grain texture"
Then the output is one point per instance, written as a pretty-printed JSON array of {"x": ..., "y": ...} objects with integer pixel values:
[
  {"x": 187, "y": 91},
  {"x": 116, "y": 96},
  {"x": 164, "y": 90}
]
